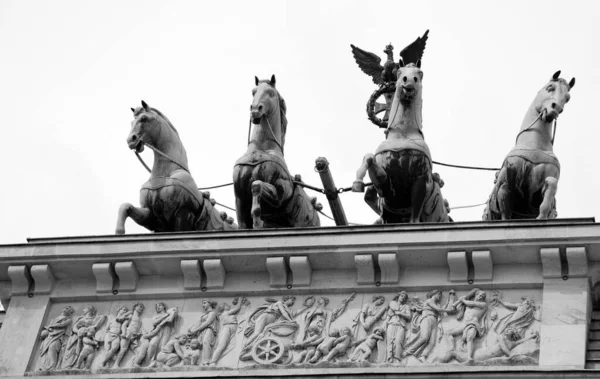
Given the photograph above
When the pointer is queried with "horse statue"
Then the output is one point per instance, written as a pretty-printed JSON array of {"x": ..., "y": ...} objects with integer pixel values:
[
  {"x": 170, "y": 200},
  {"x": 266, "y": 194},
  {"x": 404, "y": 187},
  {"x": 525, "y": 187}
]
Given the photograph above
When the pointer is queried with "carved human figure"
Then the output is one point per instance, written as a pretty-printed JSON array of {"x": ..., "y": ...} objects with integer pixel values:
[
  {"x": 473, "y": 312},
  {"x": 52, "y": 336},
  {"x": 308, "y": 345},
  {"x": 192, "y": 355},
  {"x": 267, "y": 314},
  {"x": 368, "y": 316},
  {"x": 133, "y": 328},
  {"x": 86, "y": 356},
  {"x": 171, "y": 353},
  {"x": 114, "y": 330},
  {"x": 501, "y": 345},
  {"x": 425, "y": 325},
  {"x": 521, "y": 318},
  {"x": 398, "y": 316},
  {"x": 75, "y": 343},
  {"x": 366, "y": 347},
  {"x": 206, "y": 330},
  {"x": 340, "y": 345},
  {"x": 162, "y": 329},
  {"x": 325, "y": 345},
  {"x": 229, "y": 324},
  {"x": 318, "y": 316}
]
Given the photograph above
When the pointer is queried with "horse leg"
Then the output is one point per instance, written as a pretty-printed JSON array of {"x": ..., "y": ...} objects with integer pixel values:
[
  {"x": 243, "y": 213},
  {"x": 549, "y": 191},
  {"x": 504, "y": 201},
  {"x": 418, "y": 193},
  {"x": 142, "y": 216},
  {"x": 256, "y": 212}
]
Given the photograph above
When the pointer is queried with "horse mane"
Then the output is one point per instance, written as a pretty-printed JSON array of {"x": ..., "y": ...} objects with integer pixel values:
[
  {"x": 282, "y": 110},
  {"x": 166, "y": 119}
]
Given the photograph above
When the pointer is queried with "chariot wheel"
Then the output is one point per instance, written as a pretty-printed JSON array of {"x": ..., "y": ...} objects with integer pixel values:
[
  {"x": 374, "y": 108},
  {"x": 268, "y": 351}
]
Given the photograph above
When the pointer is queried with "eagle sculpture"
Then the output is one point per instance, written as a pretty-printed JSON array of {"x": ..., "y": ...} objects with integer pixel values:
[{"x": 370, "y": 63}]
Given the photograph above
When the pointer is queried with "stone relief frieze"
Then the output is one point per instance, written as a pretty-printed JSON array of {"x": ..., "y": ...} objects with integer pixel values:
[{"x": 384, "y": 329}]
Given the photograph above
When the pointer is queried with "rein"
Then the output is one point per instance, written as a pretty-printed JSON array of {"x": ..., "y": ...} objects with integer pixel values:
[
  {"x": 528, "y": 129},
  {"x": 162, "y": 155},
  {"x": 275, "y": 139}
]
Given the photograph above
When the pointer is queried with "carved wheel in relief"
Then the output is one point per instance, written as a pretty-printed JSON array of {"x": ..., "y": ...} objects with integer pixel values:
[{"x": 268, "y": 350}]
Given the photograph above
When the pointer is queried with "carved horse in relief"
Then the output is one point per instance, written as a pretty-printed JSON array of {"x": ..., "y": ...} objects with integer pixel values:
[
  {"x": 526, "y": 185},
  {"x": 265, "y": 192},
  {"x": 170, "y": 200},
  {"x": 404, "y": 187}
]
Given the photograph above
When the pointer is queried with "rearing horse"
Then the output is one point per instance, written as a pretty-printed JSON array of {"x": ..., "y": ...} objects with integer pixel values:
[
  {"x": 170, "y": 200},
  {"x": 526, "y": 185},
  {"x": 405, "y": 190},
  {"x": 266, "y": 196}
]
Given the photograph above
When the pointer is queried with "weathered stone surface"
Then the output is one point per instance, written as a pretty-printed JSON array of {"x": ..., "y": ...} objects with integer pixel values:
[
  {"x": 105, "y": 277},
  {"x": 457, "y": 266}
]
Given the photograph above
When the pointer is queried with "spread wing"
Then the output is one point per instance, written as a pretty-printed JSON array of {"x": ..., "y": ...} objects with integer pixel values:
[
  {"x": 369, "y": 63},
  {"x": 414, "y": 52}
]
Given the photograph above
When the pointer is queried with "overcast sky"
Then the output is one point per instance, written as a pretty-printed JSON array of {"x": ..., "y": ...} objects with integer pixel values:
[{"x": 71, "y": 70}]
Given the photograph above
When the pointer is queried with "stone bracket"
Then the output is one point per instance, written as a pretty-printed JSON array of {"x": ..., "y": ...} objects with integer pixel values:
[
  {"x": 458, "y": 266},
  {"x": 301, "y": 271},
  {"x": 128, "y": 276},
  {"x": 551, "y": 266},
  {"x": 192, "y": 276},
  {"x": 215, "y": 273},
  {"x": 21, "y": 279},
  {"x": 483, "y": 266},
  {"x": 390, "y": 270},
  {"x": 577, "y": 261},
  {"x": 105, "y": 277},
  {"x": 43, "y": 279},
  {"x": 277, "y": 271},
  {"x": 365, "y": 269}
]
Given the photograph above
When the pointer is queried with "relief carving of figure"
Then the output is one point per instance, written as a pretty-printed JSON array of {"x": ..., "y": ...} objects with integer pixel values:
[
  {"x": 75, "y": 342},
  {"x": 521, "y": 318},
  {"x": 114, "y": 330},
  {"x": 172, "y": 353},
  {"x": 425, "y": 323},
  {"x": 206, "y": 330},
  {"x": 52, "y": 336},
  {"x": 229, "y": 324},
  {"x": 398, "y": 317},
  {"x": 162, "y": 330},
  {"x": 473, "y": 312},
  {"x": 192, "y": 356},
  {"x": 368, "y": 316},
  {"x": 365, "y": 348},
  {"x": 133, "y": 331},
  {"x": 90, "y": 345},
  {"x": 308, "y": 346},
  {"x": 340, "y": 345},
  {"x": 268, "y": 314},
  {"x": 325, "y": 345}
]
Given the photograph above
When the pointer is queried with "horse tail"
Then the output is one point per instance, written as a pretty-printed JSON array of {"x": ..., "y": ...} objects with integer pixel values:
[{"x": 301, "y": 210}]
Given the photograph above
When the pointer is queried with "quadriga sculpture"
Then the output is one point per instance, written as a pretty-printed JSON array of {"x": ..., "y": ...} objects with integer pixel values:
[
  {"x": 527, "y": 182},
  {"x": 170, "y": 200},
  {"x": 265, "y": 192},
  {"x": 405, "y": 190}
]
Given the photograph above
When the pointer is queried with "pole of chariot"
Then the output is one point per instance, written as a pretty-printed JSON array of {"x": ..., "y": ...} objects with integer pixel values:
[{"x": 322, "y": 167}]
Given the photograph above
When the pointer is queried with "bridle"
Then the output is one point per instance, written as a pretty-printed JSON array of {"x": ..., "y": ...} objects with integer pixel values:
[{"x": 528, "y": 129}]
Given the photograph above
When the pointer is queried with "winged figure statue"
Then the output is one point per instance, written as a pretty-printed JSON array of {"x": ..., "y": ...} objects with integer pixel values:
[
  {"x": 370, "y": 63},
  {"x": 385, "y": 76}
]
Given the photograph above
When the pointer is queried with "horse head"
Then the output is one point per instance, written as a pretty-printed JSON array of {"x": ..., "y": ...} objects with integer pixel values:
[
  {"x": 265, "y": 99},
  {"x": 146, "y": 128},
  {"x": 409, "y": 81},
  {"x": 551, "y": 99},
  {"x": 268, "y": 105}
]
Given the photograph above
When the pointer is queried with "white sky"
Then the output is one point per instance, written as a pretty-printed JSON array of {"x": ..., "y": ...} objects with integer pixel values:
[{"x": 71, "y": 70}]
